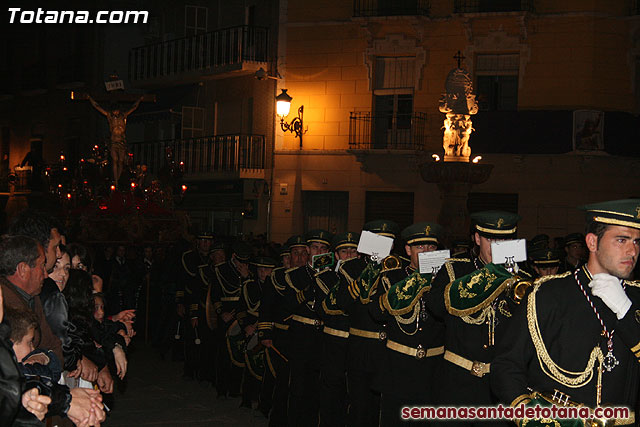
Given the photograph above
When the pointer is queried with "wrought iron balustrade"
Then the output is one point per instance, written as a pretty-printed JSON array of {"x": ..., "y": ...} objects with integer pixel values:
[
  {"x": 391, "y": 7},
  {"x": 209, "y": 154},
  {"x": 480, "y": 6},
  {"x": 201, "y": 52},
  {"x": 387, "y": 131}
]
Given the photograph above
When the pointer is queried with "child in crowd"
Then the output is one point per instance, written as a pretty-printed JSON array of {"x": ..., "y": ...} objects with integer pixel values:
[
  {"x": 111, "y": 336},
  {"x": 35, "y": 364}
]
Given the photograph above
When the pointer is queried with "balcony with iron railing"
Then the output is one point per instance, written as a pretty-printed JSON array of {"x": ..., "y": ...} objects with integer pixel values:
[
  {"x": 484, "y": 6},
  {"x": 239, "y": 156},
  {"x": 234, "y": 50},
  {"x": 387, "y": 131},
  {"x": 368, "y": 8}
]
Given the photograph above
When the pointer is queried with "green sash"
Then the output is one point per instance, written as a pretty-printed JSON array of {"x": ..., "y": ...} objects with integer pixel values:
[
  {"x": 368, "y": 281},
  {"x": 402, "y": 296},
  {"x": 475, "y": 291},
  {"x": 330, "y": 303}
]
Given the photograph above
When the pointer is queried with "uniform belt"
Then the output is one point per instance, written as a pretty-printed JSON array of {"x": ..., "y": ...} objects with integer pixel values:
[
  {"x": 230, "y": 299},
  {"x": 335, "y": 332},
  {"x": 419, "y": 353},
  {"x": 478, "y": 369},
  {"x": 307, "y": 321},
  {"x": 381, "y": 335},
  {"x": 281, "y": 326}
]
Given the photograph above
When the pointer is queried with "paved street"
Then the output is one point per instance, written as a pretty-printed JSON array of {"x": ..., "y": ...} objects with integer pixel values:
[{"x": 156, "y": 395}]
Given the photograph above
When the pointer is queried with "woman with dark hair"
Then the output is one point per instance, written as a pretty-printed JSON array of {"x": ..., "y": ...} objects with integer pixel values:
[
  {"x": 81, "y": 260},
  {"x": 56, "y": 311},
  {"x": 79, "y": 295}
]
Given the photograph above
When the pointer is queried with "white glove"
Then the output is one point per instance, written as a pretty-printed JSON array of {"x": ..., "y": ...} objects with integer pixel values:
[{"x": 609, "y": 289}]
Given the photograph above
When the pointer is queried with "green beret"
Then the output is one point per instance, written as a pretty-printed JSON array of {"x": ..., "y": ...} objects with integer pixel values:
[
  {"x": 495, "y": 224},
  {"x": 421, "y": 233},
  {"x": 263, "y": 261},
  {"x": 383, "y": 227},
  {"x": 574, "y": 238},
  {"x": 242, "y": 250},
  {"x": 345, "y": 240},
  {"x": 545, "y": 257},
  {"x": 318, "y": 236},
  {"x": 294, "y": 241},
  {"x": 208, "y": 235},
  {"x": 625, "y": 213}
]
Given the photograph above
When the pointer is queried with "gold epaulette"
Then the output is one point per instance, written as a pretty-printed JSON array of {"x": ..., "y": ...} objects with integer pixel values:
[
  {"x": 179, "y": 293},
  {"x": 540, "y": 280},
  {"x": 634, "y": 283}
]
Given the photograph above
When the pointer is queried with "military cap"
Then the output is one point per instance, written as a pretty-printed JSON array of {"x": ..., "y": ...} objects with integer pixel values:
[
  {"x": 263, "y": 261},
  {"x": 495, "y": 224},
  {"x": 541, "y": 241},
  {"x": 208, "y": 235},
  {"x": 545, "y": 257},
  {"x": 294, "y": 241},
  {"x": 462, "y": 243},
  {"x": 422, "y": 233},
  {"x": 242, "y": 250},
  {"x": 284, "y": 250},
  {"x": 574, "y": 238},
  {"x": 318, "y": 236},
  {"x": 615, "y": 212},
  {"x": 383, "y": 227},
  {"x": 345, "y": 240}
]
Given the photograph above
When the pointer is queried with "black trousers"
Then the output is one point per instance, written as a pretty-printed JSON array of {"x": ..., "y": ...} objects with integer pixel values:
[
  {"x": 228, "y": 375},
  {"x": 365, "y": 361},
  {"x": 280, "y": 397},
  {"x": 333, "y": 382},
  {"x": 304, "y": 382},
  {"x": 460, "y": 388},
  {"x": 198, "y": 358},
  {"x": 250, "y": 387}
]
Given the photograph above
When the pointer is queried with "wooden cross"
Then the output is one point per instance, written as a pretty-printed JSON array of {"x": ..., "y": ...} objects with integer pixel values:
[
  {"x": 459, "y": 57},
  {"x": 113, "y": 96}
]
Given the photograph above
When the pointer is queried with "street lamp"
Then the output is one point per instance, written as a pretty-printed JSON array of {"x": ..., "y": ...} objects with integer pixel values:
[{"x": 283, "y": 105}]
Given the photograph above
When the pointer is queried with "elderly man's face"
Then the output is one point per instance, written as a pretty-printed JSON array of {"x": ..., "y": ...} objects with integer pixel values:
[
  {"x": 36, "y": 274},
  {"x": 53, "y": 249}
]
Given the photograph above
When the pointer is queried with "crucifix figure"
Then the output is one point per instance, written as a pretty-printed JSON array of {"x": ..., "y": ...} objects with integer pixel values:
[{"x": 117, "y": 126}]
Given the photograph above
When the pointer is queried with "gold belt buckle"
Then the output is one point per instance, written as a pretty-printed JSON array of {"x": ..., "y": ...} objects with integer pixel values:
[
  {"x": 421, "y": 353},
  {"x": 382, "y": 335},
  {"x": 477, "y": 369}
]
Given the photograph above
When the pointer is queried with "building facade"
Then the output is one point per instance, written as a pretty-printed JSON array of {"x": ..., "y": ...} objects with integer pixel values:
[{"x": 370, "y": 75}]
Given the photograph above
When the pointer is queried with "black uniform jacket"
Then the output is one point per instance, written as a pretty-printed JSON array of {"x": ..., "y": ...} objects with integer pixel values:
[{"x": 559, "y": 321}]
